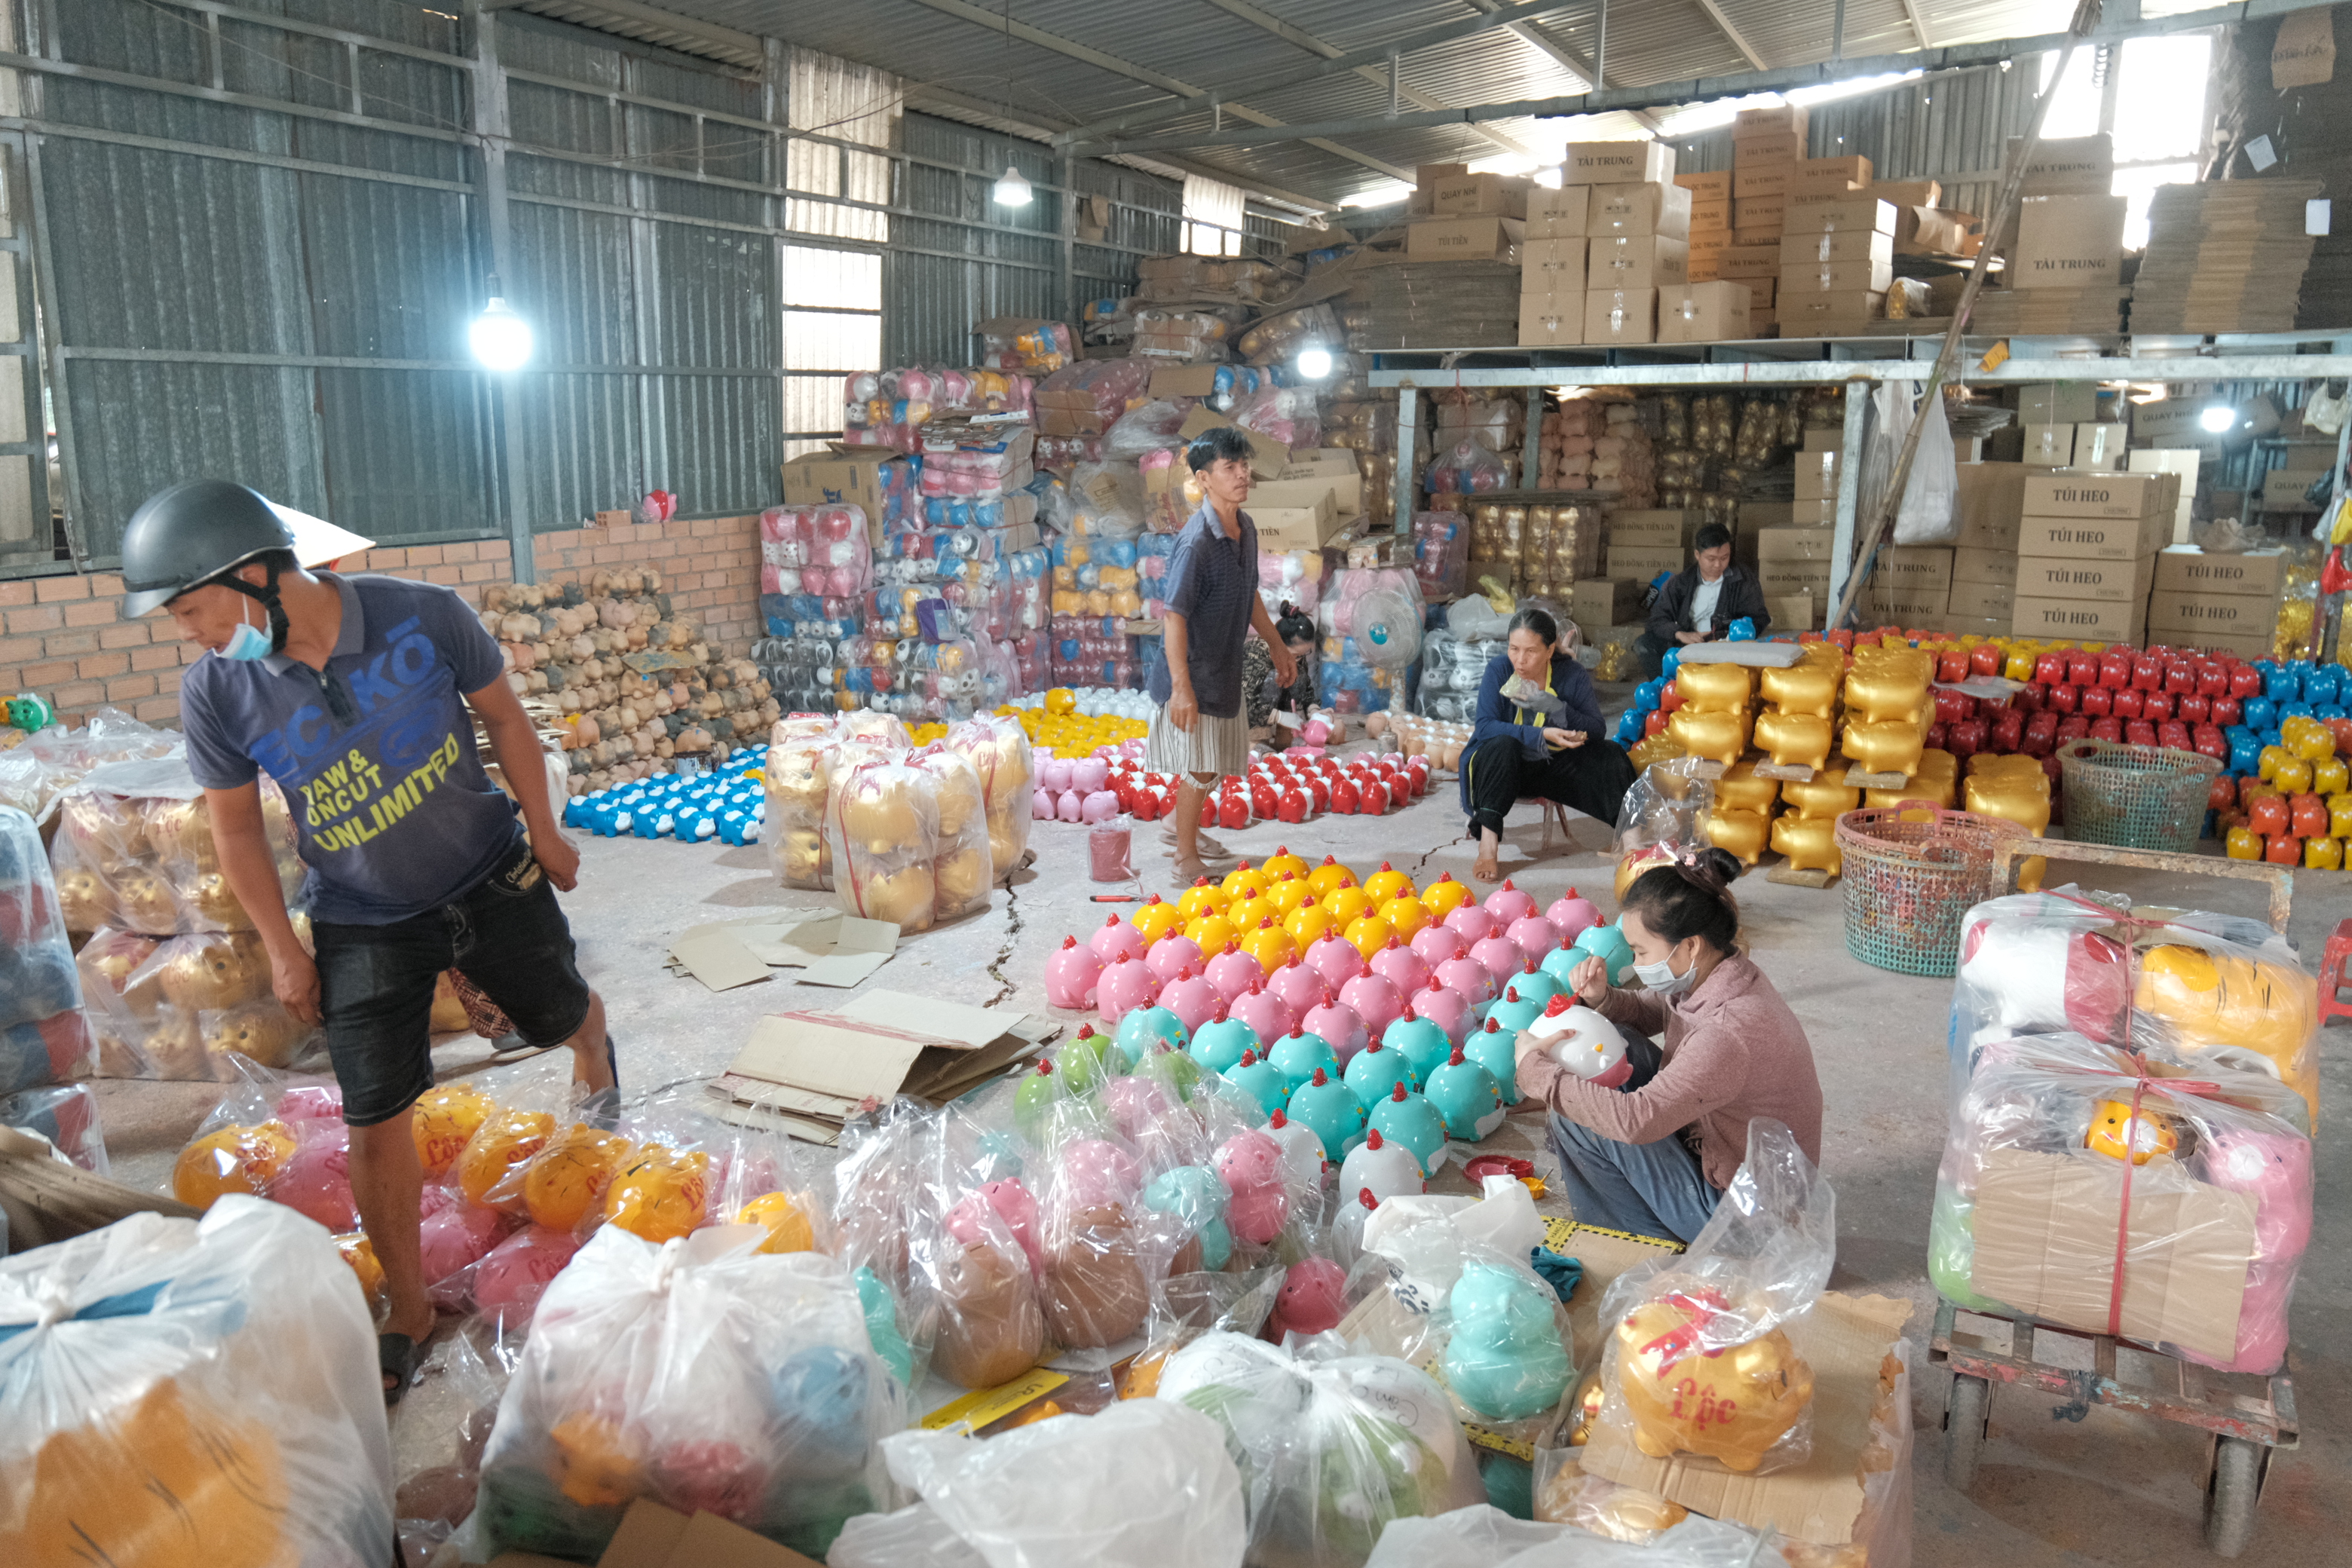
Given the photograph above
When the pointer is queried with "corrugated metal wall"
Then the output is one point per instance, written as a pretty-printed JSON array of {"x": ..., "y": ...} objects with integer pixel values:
[{"x": 269, "y": 294}]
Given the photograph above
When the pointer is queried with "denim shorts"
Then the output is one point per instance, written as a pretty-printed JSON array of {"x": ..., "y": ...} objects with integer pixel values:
[{"x": 507, "y": 934}]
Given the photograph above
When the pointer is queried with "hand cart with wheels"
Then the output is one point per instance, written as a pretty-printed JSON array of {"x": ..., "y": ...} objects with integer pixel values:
[{"x": 2249, "y": 1418}]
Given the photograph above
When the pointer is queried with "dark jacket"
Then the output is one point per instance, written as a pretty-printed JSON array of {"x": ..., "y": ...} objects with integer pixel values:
[
  {"x": 1742, "y": 596},
  {"x": 1498, "y": 718}
]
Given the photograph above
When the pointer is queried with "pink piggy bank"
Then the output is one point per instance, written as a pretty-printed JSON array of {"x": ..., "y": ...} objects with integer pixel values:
[
  {"x": 1116, "y": 940},
  {"x": 1374, "y": 999},
  {"x": 1172, "y": 954},
  {"x": 1137, "y": 1105},
  {"x": 1339, "y": 1026},
  {"x": 1072, "y": 975},
  {"x": 317, "y": 1181},
  {"x": 1096, "y": 1173},
  {"x": 1469, "y": 976},
  {"x": 1041, "y": 805},
  {"x": 1312, "y": 1301},
  {"x": 1334, "y": 958},
  {"x": 1534, "y": 936},
  {"x": 1402, "y": 967},
  {"x": 1250, "y": 1165},
  {"x": 517, "y": 1272},
  {"x": 1233, "y": 972},
  {"x": 1299, "y": 987},
  {"x": 1068, "y": 806},
  {"x": 1444, "y": 1005},
  {"x": 1006, "y": 1204},
  {"x": 1267, "y": 1015},
  {"x": 456, "y": 1237},
  {"x": 1509, "y": 903},
  {"x": 1501, "y": 956},
  {"x": 1126, "y": 986},
  {"x": 1435, "y": 943},
  {"x": 1053, "y": 775},
  {"x": 1471, "y": 923},
  {"x": 1191, "y": 996},
  {"x": 1573, "y": 916},
  {"x": 1088, "y": 774},
  {"x": 310, "y": 1102},
  {"x": 1099, "y": 807}
]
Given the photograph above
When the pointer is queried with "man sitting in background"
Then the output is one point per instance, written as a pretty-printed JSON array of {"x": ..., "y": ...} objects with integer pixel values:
[{"x": 1699, "y": 604}]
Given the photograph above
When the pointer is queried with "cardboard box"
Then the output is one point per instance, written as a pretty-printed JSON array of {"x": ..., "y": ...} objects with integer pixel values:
[
  {"x": 1767, "y": 237},
  {"x": 1703, "y": 313},
  {"x": 651, "y": 1536},
  {"x": 2282, "y": 489},
  {"x": 1909, "y": 192},
  {"x": 2084, "y": 538},
  {"x": 1765, "y": 149},
  {"x": 1861, "y": 276},
  {"x": 2073, "y": 577},
  {"x": 1621, "y": 316},
  {"x": 2201, "y": 615},
  {"x": 2084, "y": 620},
  {"x": 2049, "y": 445},
  {"x": 1763, "y": 181},
  {"x": 1916, "y": 568},
  {"x": 1992, "y": 505},
  {"x": 1823, "y": 439},
  {"x": 1763, "y": 295},
  {"x": 1781, "y": 577},
  {"x": 1269, "y": 457},
  {"x": 1710, "y": 216},
  {"x": 845, "y": 475},
  {"x": 1709, "y": 242},
  {"x": 2182, "y": 464},
  {"x": 2099, "y": 445},
  {"x": 1642, "y": 562},
  {"x": 1794, "y": 612},
  {"x": 1551, "y": 320},
  {"x": 1844, "y": 245},
  {"x": 1463, "y": 239},
  {"x": 1828, "y": 315},
  {"x": 1923, "y": 607},
  {"x": 1558, "y": 214},
  {"x": 1304, "y": 524},
  {"x": 1817, "y": 476},
  {"x": 1760, "y": 212},
  {"x": 1638, "y": 261},
  {"x": 2046, "y": 1228},
  {"x": 1713, "y": 186},
  {"x": 2059, "y": 403},
  {"x": 1667, "y": 526},
  {"x": 2078, "y": 165},
  {"x": 2097, "y": 495},
  {"x": 1319, "y": 462},
  {"x": 1974, "y": 564},
  {"x": 1554, "y": 266},
  {"x": 1429, "y": 176},
  {"x": 1617, "y": 163},
  {"x": 1927, "y": 231},
  {"x": 2184, "y": 569},
  {"x": 1817, "y": 513},
  {"x": 1983, "y": 602},
  {"x": 1787, "y": 118},
  {"x": 1605, "y": 602},
  {"x": 1346, "y": 493},
  {"x": 1481, "y": 196},
  {"x": 2068, "y": 242},
  {"x": 1832, "y": 176},
  {"x": 1866, "y": 213},
  {"x": 1796, "y": 544},
  {"x": 1624, "y": 211},
  {"x": 1751, "y": 261},
  {"x": 1173, "y": 380}
]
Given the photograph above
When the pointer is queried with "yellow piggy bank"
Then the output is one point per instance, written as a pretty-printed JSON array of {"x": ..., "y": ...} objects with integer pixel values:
[
  {"x": 1730, "y": 1405},
  {"x": 1809, "y": 842},
  {"x": 1719, "y": 736},
  {"x": 1808, "y": 689},
  {"x": 1795, "y": 740},
  {"x": 1890, "y": 747},
  {"x": 1713, "y": 687}
]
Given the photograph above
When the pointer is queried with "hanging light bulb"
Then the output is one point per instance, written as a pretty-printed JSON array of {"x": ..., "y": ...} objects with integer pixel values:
[
  {"x": 2216, "y": 417},
  {"x": 1313, "y": 362},
  {"x": 502, "y": 339},
  {"x": 1012, "y": 188}
]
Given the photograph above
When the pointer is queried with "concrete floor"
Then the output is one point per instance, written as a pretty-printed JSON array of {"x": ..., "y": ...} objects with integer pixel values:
[{"x": 2107, "y": 1490}]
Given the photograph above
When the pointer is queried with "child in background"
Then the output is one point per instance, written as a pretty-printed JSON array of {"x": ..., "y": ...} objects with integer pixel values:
[{"x": 1265, "y": 696}]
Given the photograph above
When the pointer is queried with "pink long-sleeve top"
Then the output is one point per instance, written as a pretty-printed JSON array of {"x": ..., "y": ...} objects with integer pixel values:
[{"x": 1732, "y": 1050}]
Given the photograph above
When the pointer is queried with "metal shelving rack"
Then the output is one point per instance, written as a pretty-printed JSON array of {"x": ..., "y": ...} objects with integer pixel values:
[{"x": 1845, "y": 362}]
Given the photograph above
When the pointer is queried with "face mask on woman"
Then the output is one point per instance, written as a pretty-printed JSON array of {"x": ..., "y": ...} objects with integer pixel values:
[{"x": 1661, "y": 979}]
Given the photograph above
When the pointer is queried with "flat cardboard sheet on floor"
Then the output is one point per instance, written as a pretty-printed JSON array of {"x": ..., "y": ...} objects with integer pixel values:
[
  {"x": 651, "y": 1536},
  {"x": 1845, "y": 1339},
  {"x": 837, "y": 949}
]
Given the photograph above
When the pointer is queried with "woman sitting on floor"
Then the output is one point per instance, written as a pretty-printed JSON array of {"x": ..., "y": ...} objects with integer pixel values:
[{"x": 1538, "y": 733}]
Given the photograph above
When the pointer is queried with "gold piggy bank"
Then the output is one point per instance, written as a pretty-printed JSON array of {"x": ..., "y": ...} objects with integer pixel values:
[
  {"x": 1823, "y": 798},
  {"x": 1883, "y": 689},
  {"x": 1730, "y": 1405},
  {"x": 1713, "y": 687},
  {"x": 1741, "y": 832},
  {"x": 1795, "y": 740},
  {"x": 1742, "y": 790},
  {"x": 2016, "y": 795},
  {"x": 1808, "y": 689},
  {"x": 1719, "y": 736},
  {"x": 1890, "y": 747},
  {"x": 1809, "y": 842}
]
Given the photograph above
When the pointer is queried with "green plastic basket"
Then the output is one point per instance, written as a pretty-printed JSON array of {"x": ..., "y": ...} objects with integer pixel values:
[
  {"x": 1910, "y": 872},
  {"x": 2135, "y": 797}
]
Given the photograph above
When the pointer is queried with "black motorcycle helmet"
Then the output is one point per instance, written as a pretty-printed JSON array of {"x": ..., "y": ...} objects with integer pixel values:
[{"x": 199, "y": 532}]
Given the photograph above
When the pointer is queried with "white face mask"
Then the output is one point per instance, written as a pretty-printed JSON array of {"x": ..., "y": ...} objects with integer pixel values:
[
  {"x": 248, "y": 641},
  {"x": 1662, "y": 979}
]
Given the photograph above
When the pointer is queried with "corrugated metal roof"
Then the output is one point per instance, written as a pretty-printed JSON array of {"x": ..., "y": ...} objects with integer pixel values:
[{"x": 1204, "y": 47}]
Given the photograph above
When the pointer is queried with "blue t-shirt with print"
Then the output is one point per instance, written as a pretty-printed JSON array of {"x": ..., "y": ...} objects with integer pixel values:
[{"x": 376, "y": 754}]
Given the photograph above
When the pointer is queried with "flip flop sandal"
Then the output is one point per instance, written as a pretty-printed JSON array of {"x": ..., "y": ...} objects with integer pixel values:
[
  {"x": 397, "y": 1356},
  {"x": 602, "y": 1110},
  {"x": 508, "y": 1049}
]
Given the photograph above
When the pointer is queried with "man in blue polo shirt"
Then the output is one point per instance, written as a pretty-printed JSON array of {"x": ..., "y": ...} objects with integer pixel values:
[{"x": 352, "y": 693}]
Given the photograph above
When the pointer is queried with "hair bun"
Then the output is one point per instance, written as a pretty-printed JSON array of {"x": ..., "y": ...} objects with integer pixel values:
[{"x": 1718, "y": 863}]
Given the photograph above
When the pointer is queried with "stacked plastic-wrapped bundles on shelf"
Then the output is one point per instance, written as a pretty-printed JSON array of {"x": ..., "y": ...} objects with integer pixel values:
[
  {"x": 1452, "y": 665},
  {"x": 1372, "y": 626},
  {"x": 1441, "y": 554},
  {"x": 890, "y": 408},
  {"x": 44, "y": 1038},
  {"x": 2133, "y": 1095},
  {"x": 1025, "y": 343}
]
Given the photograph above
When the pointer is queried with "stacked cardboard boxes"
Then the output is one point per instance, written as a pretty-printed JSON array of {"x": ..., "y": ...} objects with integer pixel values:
[
  {"x": 2065, "y": 263},
  {"x": 1710, "y": 220},
  {"x": 2229, "y": 603},
  {"x": 1552, "y": 267},
  {"x": 1911, "y": 585},
  {"x": 1643, "y": 543},
  {"x": 1766, "y": 146},
  {"x": 1637, "y": 227},
  {"x": 1835, "y": 262},
  {"x": 1792, "y": 565},
  {"x": 1817, "y": 480},
  {"x": 2086, "y": 552}
]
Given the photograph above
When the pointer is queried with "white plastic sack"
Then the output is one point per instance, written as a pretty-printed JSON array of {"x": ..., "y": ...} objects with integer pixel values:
[
  {"x": 1929, "y": 514},
  {"x": 1145, "y": 1484},
  {"x": 1486, "y": 1537},
  {"x": 913, "y": 1537},
  {"x": 178, "y": 1391},
  {"x": 1504, "y": 1221}
]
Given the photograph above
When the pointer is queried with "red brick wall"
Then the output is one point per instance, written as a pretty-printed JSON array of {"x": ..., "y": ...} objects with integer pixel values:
[{"x": 63, "y": 637}]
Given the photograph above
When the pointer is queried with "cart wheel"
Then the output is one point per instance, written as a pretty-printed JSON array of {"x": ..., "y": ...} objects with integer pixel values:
[
  {"x": 2230, "y": 1494},
  {"x": 1964, "y": 1429}
]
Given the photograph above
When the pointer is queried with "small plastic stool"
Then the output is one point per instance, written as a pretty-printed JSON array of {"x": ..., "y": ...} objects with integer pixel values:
[{"x": 2336, "y": 976}]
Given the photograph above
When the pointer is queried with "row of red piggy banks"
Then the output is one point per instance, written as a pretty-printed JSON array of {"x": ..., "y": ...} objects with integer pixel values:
[{"x": 1284, "y": 789}]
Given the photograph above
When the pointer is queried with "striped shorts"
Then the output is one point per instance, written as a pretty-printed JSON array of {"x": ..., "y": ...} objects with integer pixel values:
[{"x": 1212, "y": 746}]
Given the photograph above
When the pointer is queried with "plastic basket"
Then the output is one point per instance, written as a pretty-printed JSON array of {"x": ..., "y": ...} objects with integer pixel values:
[
  {"x": 2136, "y": 797},
  {"x": 1910, "y": 873}
]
